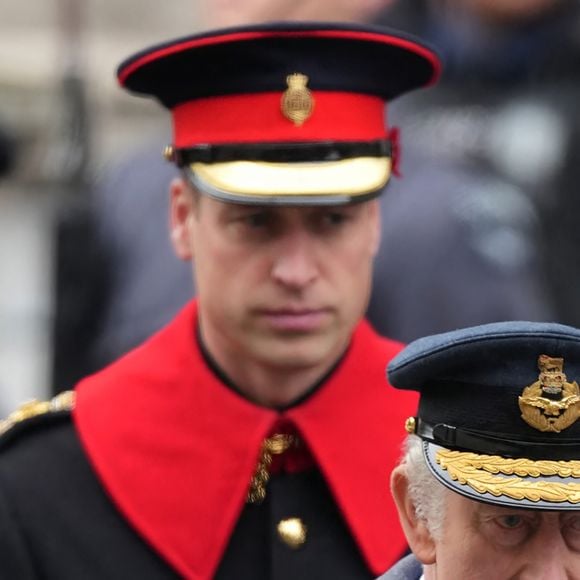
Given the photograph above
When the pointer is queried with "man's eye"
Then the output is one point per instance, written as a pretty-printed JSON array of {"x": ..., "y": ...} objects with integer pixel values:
[
  {"x": 334, "y": 218},
  {"x": 571, "y": 531},
  {"x": 256, "y": 220},
  {"x": 510, "y": 522},
  {"x": 511, "y": 530},
  {"x": 572, "y": 522}
]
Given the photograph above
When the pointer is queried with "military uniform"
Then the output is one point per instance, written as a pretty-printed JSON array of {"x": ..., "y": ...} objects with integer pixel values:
[
  {"x": 150, "y": 478},
  {"x": 166, "y": 469},
  {"x": 409, "y": 568},
  {"x": 498, "y": 422}
]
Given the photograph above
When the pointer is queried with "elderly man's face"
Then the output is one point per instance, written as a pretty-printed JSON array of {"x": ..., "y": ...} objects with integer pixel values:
[{"x": 480, "y": 541}]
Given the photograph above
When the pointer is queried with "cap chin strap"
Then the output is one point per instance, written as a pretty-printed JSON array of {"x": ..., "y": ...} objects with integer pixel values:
[
  {"x": 475, "y": 441},
  {"x": 298, "y": 152}
]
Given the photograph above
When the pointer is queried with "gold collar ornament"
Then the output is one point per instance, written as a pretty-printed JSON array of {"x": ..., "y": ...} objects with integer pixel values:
[
  {"x": 297, "y": 101},
  {"x": 275, "y": 445},
  {"x": 551, "y": 404}
]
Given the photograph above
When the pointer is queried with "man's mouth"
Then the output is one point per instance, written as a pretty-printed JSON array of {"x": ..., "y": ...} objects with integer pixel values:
[{"x": 296, "y": 319}]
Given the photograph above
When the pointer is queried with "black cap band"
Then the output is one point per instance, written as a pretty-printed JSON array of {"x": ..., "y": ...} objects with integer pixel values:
[
  {"x": 283, "y": 152},
  {"x": 459, "y": 439}
]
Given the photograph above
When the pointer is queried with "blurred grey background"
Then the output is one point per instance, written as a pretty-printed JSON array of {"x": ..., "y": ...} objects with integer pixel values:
[{"x": 57, "y": 58}]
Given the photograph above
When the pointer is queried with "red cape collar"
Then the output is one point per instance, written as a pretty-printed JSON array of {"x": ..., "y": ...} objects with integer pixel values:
[{"x": 176, "y": 449}]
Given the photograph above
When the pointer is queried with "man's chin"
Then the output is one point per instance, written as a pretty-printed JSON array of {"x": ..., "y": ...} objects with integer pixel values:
[{"x": 301, "y": 352}]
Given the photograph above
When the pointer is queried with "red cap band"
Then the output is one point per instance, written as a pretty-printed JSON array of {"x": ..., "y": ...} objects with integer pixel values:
[{"x": 258, "y": 117}]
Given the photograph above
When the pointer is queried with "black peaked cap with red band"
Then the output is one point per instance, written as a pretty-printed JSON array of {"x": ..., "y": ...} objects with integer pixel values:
[{"x": 283, "y": 112}]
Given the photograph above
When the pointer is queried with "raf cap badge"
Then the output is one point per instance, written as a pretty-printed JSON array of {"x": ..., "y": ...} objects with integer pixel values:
[
  {"x": 297, "y": 101},
  {"x": 551, "y": 403}
]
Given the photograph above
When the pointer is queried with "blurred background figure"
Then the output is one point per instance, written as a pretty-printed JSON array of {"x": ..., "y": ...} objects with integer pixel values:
[
  {"x": 7, "y": 151},
  {"x": 7, "y": 160},
  {"x": 52, "y": 54},
  {"x": 499, "y": 135}
]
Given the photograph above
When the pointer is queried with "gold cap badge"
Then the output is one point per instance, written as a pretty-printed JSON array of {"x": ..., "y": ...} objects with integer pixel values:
[
  {"x": 297, "y": 101},
  {"x": 551, "y": 403}
]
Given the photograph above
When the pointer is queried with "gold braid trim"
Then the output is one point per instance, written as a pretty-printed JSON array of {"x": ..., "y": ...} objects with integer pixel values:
[
  {"x": 63, "y": 402},
  {"x": 521, "y": 467},
  {"x": 476, "y": 472},
  {"x": 274, "y": 445}
]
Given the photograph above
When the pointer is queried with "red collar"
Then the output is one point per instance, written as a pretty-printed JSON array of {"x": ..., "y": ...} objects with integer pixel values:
[{"x": 176, "y": 449}]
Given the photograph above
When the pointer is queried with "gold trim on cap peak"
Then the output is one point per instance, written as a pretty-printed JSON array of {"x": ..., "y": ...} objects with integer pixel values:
[{"x": 483, "y": 473}]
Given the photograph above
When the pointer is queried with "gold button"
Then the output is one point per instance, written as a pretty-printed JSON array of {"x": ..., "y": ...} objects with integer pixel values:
[
  {"x": 411, "y": 425},
  {"x": 292, "y": 531}
]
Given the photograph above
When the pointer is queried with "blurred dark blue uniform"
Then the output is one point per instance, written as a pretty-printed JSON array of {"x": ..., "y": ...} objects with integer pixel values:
[{"x": 498, "y": 146}]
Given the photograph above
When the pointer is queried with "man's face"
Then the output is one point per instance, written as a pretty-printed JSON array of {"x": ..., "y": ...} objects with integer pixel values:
[
  {"x": 483, "y": 542},
  {"x": 278, "y": 287}
]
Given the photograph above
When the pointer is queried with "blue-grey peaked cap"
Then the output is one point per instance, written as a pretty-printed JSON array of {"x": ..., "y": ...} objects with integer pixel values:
[
  {"x": 429, "y": 356},
  {"x": 471, "y": 383}
]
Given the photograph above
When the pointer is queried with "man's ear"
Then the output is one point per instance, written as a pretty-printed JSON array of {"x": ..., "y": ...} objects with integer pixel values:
[
  {"x": 420, "y": 540},
  {"x": 181, "y": 214}
]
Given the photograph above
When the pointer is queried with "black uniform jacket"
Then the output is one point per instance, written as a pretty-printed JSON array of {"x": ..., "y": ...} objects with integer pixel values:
[{"x": 148, "y": 478}]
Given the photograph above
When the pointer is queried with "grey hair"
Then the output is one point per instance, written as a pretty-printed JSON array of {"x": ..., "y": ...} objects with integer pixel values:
[{"x": 426, "y": 493}]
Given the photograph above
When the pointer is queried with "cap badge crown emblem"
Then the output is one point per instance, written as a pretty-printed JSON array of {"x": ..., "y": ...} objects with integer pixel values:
[
  {"x": 297, "y": 101},
  {"x": 551, "y": 404}
]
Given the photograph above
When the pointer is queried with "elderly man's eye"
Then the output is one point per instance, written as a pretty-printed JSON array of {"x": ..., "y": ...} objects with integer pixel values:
[
  {"x": 572, "y": 522},
  {"x": 510, "y": 529},
  {"x": 571, "y": 530},
  {"x": 575, "y": 523},
  {"x": 510, "y": 521}
]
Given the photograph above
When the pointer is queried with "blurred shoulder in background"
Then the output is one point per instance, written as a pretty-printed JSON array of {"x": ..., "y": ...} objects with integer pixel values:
[{"x": 497, "y": 141}]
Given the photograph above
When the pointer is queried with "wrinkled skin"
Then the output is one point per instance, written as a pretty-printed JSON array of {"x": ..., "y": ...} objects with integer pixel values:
[{"x": 480, "y": 541}]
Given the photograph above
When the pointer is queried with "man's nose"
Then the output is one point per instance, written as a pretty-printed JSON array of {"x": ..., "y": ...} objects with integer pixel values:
[
  {"x": 549, "y": 569},
  {"x": 295, "y": 263},
  {"x": 549, "y": 559}
]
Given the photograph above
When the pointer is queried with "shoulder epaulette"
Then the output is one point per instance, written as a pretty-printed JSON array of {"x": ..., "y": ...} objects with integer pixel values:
[{"x": 33, "y": 411}]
